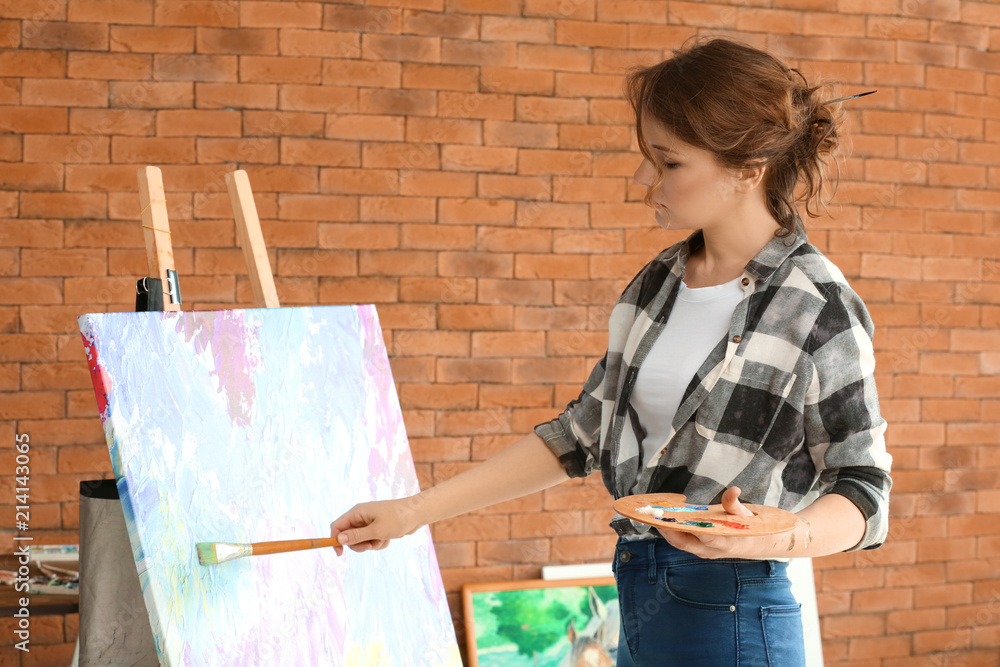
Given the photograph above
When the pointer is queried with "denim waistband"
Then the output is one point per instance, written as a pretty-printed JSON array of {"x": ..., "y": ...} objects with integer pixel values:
[{"x": 657, "y": 553}]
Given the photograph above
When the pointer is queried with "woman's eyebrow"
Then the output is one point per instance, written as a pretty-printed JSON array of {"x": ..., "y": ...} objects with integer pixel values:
[{"x": 663, "y": 149}]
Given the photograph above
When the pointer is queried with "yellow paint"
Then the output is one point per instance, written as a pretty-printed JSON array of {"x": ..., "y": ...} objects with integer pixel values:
[{"x": 373, "y": 654}]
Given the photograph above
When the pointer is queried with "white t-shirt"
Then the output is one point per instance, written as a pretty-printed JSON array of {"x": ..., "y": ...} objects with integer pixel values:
[{"x": 699, "y": 320}]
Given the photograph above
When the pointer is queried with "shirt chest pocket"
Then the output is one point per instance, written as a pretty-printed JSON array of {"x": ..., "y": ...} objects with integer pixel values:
[{"x": 746, "y": 402}]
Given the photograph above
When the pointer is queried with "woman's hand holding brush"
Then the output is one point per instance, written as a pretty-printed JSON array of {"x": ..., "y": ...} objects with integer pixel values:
[{"x": 372, "y": 525}]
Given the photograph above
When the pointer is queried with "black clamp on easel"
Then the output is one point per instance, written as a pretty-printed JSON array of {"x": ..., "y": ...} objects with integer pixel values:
[{"x": 149, "y": 292}]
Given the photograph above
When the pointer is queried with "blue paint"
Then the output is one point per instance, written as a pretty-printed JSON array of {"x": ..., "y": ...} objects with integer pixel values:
[{"x": 686, "y": 508}]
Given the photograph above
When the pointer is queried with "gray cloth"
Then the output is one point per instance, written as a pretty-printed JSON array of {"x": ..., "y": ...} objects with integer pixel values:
[{"x": 114, "y": 624}]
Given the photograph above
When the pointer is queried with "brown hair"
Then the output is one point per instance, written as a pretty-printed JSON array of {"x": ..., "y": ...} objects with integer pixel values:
[{"x": 747, "y": 107}]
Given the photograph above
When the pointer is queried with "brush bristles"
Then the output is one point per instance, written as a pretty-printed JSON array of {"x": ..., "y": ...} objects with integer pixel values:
[
  {"x": 213, "y": 553},
  {"x": 206, "y": 553}
]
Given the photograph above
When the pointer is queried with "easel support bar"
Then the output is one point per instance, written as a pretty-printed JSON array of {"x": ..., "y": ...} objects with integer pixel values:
[
  {"x": 251, "y": 240},
  {"x": 156, "y": 231}
]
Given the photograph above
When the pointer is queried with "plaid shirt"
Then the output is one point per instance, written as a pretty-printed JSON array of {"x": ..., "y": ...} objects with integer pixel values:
[{"x": 785, "y": 407}]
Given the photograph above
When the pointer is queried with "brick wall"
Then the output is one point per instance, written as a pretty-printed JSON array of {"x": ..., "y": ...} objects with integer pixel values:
[{"x": 465, "y": 164}]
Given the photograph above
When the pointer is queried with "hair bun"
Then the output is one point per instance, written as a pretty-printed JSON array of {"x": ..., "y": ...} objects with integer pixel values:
[{"x": 819, "y": 125}]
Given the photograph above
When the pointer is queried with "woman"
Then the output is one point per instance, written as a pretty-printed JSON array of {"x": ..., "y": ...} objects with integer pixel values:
[{"x": 739, "y": 366}]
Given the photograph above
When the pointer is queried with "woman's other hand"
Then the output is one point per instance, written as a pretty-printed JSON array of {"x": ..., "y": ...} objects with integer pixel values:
[{"x": 720, "y": 546}]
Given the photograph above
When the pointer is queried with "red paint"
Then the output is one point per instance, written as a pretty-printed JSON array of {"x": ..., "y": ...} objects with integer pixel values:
[{"x": 101, "y": 380}]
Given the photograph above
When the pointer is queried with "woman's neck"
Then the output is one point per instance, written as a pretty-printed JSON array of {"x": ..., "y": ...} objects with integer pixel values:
[{"x": 728, "y": 248}]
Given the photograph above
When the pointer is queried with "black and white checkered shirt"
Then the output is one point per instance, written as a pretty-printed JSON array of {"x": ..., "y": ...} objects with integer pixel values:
[{"x": 785, "y": 407}]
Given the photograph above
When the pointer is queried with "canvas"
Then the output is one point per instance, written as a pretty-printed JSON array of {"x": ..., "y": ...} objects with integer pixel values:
[
  {"x": 258, "y": 425},
  {"x": 539, "y": 623}
]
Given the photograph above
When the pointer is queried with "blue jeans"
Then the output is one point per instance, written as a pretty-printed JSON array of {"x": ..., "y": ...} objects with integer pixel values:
[{"x": 679, "y": 609}]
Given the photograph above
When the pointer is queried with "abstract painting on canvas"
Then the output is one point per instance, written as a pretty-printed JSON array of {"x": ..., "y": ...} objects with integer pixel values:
[{"x": 257, "y": 425}]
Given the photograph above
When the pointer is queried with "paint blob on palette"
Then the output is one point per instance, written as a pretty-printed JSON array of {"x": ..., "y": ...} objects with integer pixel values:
[
  {"x": 259, "y": 425},
  {"x": 663, "y": 512},
  {"x": 670, "y": 511}
]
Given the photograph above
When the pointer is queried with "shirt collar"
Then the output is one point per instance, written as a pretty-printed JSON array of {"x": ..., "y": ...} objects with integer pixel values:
[{"x": 774, "y": 254}]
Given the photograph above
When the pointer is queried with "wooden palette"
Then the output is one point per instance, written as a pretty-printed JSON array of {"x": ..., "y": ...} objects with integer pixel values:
[{"x": 765, "y": 521}]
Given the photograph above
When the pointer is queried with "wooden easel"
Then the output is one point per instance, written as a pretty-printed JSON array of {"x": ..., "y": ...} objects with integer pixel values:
[{"x": 159, "y": 251}]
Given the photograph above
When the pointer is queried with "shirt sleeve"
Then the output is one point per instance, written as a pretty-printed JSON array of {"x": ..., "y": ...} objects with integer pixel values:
[
  {"x": 575, "y": 435},
  {"x": 845, "y": 430}
]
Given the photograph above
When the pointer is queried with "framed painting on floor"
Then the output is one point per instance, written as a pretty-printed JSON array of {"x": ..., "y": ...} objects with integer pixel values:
[{"x": 542, "y": 623}]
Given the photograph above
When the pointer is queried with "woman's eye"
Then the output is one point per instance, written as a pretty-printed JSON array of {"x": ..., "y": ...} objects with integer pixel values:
[{"x": 670, "y": 165}]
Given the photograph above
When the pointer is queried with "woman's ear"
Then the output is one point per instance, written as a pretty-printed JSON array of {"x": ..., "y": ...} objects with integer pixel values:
[{"x": 752, "y": 175}]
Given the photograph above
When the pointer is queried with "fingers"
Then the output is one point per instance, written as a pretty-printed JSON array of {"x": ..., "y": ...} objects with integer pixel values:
[
  {"x": 731, "y": 502},
  {"x": 336, "y": 532},
  {"x": 361, "y": 529},
  {"x": 359, "y": 539},
  {"x": 350, "y": 519},
  {"x": 685, "y": 542},
  {"x": 350, "y": 530}
]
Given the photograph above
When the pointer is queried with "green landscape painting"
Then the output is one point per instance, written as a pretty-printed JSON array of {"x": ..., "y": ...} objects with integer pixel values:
[{"x": 542, "y": 623}]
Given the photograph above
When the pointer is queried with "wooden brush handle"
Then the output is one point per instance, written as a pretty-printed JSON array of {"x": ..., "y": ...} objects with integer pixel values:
[{"x": 265, "y": 548}]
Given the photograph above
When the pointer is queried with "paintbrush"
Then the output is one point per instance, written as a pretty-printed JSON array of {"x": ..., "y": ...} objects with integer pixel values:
[{"x": 213, "y": 553}]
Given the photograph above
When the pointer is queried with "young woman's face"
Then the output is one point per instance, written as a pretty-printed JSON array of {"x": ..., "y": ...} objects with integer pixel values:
[{"x": 695, "y": 192}]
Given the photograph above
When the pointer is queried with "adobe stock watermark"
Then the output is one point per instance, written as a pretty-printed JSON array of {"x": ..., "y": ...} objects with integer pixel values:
[{"x": 22, "y": 518}]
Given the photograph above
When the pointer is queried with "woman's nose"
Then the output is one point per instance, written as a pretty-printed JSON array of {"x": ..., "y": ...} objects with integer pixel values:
[{"x": 643, "y": 175}]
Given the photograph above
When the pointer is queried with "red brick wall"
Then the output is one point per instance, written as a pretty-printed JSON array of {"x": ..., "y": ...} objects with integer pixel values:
[{"x": 465, "y": 164}]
